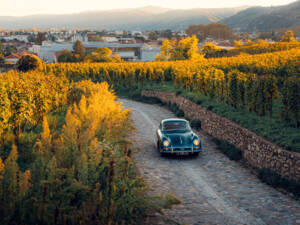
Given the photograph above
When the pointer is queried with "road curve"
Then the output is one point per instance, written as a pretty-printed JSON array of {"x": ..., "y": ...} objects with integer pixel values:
[{"x": 213, "y": 189}]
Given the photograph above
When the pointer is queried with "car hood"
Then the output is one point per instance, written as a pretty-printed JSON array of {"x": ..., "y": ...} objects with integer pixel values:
[{"x": 176, "y": 139}]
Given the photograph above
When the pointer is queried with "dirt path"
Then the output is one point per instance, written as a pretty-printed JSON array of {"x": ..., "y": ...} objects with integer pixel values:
[{"x": 214, "y": 190}]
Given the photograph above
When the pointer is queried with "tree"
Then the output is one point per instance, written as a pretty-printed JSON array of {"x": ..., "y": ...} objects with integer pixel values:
[
  {"x": 288, "y": 36},
  {"x": 40, "y": 38},
  {"x": 116, "y": 58},
  {"x": 265, "y": 35},
  {"x": 245, "y": 36},
  {"x": 29, "y": 62},
  {"x": 78, "y": 49},
  {"x": 2, "y": 59},
  {"x": 166, "y": 33},
  {"x": 191, "y": 47},
  {"x": 31, "y": 38},
  {"x": 186, "y": 48},
  {"x": 1, "y": 49},
  {"x": 165, "y": 49},
  {"x": 237, "y": 44},
  {"x": 209, "y": 48},
  {"x": 9, "y": 49},
  {"x": 213, "y": 30},
  {"x": 103, "y": 55},
  {"x": 153, "y": 35},
  {"x": 65, "y": 56}
]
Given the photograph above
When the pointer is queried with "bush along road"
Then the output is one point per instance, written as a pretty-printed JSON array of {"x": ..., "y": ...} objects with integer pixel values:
[{"x": 212, "y": 188}]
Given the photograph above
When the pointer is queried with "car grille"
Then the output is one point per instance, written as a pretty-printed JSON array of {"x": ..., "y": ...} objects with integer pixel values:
[
  {"x": 182, "y": 149},
  {"x": 176, "y": 141}
]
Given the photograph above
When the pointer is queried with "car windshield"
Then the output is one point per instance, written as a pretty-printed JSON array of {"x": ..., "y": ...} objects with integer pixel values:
[{"x": 175, "y": 125}]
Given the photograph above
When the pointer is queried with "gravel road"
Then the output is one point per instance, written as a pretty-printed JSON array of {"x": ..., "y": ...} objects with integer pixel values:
[{"x": 213, "y": 189}]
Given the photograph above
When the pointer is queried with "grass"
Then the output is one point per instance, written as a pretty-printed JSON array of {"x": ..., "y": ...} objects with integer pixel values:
[
  {"x": 169, "y": 200},
  {"x": 273, "y": 129}
]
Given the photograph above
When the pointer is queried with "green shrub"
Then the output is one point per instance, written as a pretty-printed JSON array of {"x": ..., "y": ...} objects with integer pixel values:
[
  {"x": 196, "y": 124},
  {"x": 269, "y": 177},
  {"x": 199, "y": 102},
  {"x": 275, "y": 180},
  {"x": 169, "y": 200},
  {"x": 29, "y": 62},
  {"x": 210, "y": 108},
  {"x": 175, "y": 109},
  {"x": 228, "y": 149},
  {"x": 178, "y": 92},
  {"x": 179, "y": 113}
]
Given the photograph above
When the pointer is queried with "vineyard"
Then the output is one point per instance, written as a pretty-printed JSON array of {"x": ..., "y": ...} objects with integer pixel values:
[
  {"x": 64, "y": 154},
  {"x": 248, "y": 81},
  {"x": 63, "y": 148},
  {"x": 250, "y": 47}
]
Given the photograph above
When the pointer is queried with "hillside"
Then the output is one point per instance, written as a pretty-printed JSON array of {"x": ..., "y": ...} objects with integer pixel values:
[
  {"x": 265, "y": 19},
  {"x": 145, "y": 18}
]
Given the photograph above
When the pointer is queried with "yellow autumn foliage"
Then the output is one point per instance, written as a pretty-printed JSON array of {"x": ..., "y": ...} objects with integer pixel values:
[{"x": 26, "y": 97}]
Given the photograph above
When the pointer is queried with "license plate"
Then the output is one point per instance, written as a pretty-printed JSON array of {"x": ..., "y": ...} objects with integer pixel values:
[{"x": 182, "y": 153}]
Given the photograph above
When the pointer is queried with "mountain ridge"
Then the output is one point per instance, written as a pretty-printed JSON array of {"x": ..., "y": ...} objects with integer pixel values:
[
  {"x": 143, "y": 18},
  {"x": 265, "y": 19}
]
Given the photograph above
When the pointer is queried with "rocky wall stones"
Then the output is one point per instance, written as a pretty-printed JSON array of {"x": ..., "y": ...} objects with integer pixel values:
[{"x": 256, "y": 150}]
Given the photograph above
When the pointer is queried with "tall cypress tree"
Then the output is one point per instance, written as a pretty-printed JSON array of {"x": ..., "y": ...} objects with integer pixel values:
[{"x": 78, "y": 49}]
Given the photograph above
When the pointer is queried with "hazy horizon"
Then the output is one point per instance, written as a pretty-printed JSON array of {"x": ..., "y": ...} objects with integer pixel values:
[{"x": 25, "y": 8}]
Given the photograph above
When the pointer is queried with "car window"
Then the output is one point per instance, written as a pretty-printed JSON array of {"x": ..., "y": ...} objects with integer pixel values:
[{"x": 175, "y": 125}]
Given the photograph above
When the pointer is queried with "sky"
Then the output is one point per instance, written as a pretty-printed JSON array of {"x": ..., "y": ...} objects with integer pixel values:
[{"x": 29, "y": 7}]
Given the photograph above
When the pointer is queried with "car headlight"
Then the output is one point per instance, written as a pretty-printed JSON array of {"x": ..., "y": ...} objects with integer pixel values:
[
  {"x": 196, "y": 142},
  {"x": 166, "y": 143}
]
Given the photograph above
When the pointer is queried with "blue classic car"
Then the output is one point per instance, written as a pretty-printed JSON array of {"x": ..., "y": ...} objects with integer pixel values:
[{"x": 176, "y": 136}]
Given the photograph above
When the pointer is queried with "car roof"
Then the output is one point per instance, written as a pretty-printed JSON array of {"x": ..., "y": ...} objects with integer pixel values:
[{"x": 173, "y": 120}]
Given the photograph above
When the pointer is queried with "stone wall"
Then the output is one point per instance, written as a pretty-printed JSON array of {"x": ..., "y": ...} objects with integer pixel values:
[{"x": 256, "y": 150}]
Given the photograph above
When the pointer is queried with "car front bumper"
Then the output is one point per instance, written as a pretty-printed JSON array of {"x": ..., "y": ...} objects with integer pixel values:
[{"x": 181, "y": 149}]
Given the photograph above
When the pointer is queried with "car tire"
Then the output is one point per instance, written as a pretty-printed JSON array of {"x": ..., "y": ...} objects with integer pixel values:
[
  {"x": 163, "y": 154},
  {"x": 157, "y": 145}
]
